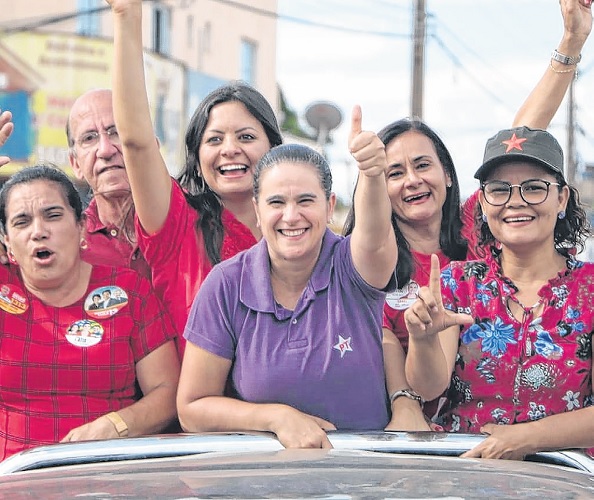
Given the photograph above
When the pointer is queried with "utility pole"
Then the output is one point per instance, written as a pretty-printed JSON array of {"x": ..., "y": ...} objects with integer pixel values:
[
  {"x": 418, "y": 62},
  {"x": 571, "y": 153}
]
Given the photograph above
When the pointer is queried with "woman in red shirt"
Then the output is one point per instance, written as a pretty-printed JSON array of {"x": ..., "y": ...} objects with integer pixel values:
[{"x": 69, "y": 371}]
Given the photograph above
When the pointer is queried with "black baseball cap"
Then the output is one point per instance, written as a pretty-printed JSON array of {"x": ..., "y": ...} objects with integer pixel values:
[{"x": 521, "y": 144}]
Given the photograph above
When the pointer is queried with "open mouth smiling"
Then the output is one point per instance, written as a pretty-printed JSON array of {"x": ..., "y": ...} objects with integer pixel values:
[
  {"x": 292, "y": 232},
  {"x": 524, "y": 218},
  {"x": 226, "y": 169},
  {"x": 417, "y": 197}
]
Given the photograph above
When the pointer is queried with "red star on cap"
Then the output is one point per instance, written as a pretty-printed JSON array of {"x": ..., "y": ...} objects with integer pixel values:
[{"x": 514, "y": 143}]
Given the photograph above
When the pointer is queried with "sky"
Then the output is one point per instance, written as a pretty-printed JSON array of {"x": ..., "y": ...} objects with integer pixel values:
[{"x": 482, "y": 58}]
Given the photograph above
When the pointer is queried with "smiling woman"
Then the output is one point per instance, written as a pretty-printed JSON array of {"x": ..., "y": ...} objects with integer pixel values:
[
  {"x": 185, "y": 228},
  {"x": 70, "y": 373},
  {"x": 521, "y": 368},
  {"x": 294, "y": 323}
]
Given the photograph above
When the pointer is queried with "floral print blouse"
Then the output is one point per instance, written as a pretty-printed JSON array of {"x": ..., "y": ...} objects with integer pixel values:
[{"x": 509, "y": 371}]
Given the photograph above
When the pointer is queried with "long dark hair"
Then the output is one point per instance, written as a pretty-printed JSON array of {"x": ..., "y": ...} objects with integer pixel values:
[
  {"x": 451, "y": 241},
  {"x": 198, "y": 193},
  {"x": 44, "y": 172},
  {"x": 570, "y": 232}
]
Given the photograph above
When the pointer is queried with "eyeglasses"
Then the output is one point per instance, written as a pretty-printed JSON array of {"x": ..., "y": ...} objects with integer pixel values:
[
  {"x": 532, "y": 191},
  {"x": 91, "y": 139}
]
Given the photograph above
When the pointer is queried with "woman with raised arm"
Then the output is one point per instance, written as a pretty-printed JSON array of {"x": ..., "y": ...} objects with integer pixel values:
[
  {"x": 295, "y": 322},
  {"x": 184, "y": 229},
  {"x": 520, "y": 370}
]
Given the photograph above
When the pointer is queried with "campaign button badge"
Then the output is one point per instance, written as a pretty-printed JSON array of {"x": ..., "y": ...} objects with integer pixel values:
[
  {"x": 84, "y": 333},
  {"x": 13, "y": 299},
  {"x": 105, "y": 301},
  {"x": 404, "y": 297}
]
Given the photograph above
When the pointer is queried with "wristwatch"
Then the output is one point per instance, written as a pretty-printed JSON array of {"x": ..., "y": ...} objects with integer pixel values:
[
  {"x": 407, "y": 393},
  {"x": 563, "y": 59}
]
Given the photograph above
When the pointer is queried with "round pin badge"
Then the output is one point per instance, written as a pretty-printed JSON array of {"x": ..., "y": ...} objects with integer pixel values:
[
  {"x": 105, "y": 301},
  {"x": 404, "y": 297},
  {"x": 13, "y": 299},
  {"x": 84, "y": 333}
]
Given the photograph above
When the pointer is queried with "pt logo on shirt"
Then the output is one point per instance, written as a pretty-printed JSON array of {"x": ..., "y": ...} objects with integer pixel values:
[{"x": 343, "y": 346}]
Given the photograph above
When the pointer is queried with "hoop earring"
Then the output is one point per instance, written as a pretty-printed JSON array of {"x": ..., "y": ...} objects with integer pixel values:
[
  {"x": 83, "y": 244},
  {"x": 561, "y": 215}
]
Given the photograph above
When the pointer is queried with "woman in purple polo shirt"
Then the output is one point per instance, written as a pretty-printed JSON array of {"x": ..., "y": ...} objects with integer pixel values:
[{"x": 295, "y": 321}]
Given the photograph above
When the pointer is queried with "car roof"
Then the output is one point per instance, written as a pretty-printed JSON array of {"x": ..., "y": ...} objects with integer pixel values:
[{"x": 404, "y": 465}]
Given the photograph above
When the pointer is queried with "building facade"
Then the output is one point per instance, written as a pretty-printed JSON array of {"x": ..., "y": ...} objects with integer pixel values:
[{"x": 51, "y": 52}]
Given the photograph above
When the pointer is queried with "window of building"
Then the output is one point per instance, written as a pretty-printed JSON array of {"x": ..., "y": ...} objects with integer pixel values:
[
  {"x": 161, "y": 29},
  {"x": 203, "y": 43},
  {"x": 190, "y": 31},
  {"x": 248, "y": 61},
  {"x": 88, "y": 24}
]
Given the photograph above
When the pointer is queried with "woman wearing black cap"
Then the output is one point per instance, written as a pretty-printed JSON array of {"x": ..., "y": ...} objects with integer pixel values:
[{"x": 510, "y": 335}]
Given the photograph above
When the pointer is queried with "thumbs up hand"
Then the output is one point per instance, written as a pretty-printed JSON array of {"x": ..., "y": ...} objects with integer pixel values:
[
  {"x": 427, "y": 316},
  {"x": 366, "y": 147}
]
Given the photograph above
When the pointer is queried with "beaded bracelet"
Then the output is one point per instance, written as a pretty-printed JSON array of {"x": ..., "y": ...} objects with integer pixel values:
[{"x": 561, "y": 71}]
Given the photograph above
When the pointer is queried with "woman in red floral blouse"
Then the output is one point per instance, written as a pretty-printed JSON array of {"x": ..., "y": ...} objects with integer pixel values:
[{"x": 525, "y": 354}]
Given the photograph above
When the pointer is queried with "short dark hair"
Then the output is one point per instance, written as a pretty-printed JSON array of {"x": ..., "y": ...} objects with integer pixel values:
[{"x": 44, "y": 172}]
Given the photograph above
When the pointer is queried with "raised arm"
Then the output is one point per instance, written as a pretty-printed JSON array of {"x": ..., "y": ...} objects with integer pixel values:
[
  {"x": 148, "y": 175},
  {"x": 543, "y": 102},
  {"x": 373, "y": 242}
]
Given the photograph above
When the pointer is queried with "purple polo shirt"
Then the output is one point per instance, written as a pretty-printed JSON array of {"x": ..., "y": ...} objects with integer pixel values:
[{"x": 324, "y": 358}]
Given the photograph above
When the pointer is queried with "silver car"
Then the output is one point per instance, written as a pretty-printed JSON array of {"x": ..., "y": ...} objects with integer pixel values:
[{"x": 255, "y": 465}]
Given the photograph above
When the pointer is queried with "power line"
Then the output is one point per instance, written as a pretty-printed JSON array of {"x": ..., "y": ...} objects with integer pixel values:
[
  {"x": 308, "y": 22},
  {"x": 459, "y": 64},
  {"x": 470, "y": 50},
  {"x": 54, "y": 19},
  {"x": 267, "y": 13}
]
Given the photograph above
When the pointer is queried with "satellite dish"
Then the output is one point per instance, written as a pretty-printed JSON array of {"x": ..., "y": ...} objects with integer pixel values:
[{"x": 323, "y": 116}]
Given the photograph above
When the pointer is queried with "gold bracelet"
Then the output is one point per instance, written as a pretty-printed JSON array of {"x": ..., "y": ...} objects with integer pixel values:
[
  {"x": 561, "y": 71},
  {"x": 121, "y": 427}
]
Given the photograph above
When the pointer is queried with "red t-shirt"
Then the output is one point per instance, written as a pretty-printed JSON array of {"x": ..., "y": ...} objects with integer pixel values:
[
  {"x": 399, "y": 300},
  {"x": 109, "y": 246},
  {"x": 178, "y": 259},
  {"x": 63, "y": 367}
]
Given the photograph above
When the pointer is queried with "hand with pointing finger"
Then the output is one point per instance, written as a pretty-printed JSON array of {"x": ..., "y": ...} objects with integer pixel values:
[
  {"x": 427, "y": 316},
  {"x": 366, "y": 147}
]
